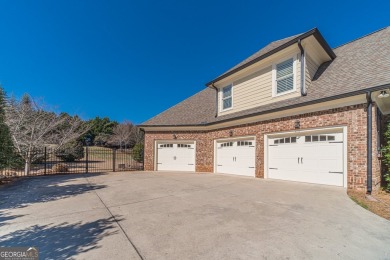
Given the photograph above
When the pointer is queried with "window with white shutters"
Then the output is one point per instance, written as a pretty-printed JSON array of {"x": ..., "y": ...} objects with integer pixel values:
[{"x": 284, "y": 76}]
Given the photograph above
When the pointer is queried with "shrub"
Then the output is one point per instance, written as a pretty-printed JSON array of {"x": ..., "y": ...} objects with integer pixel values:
[
  {"x": 60, "y": 168},
  {"x": 16, "y": 161},
  {"x": 386, "y": 157},
  {"x": 6, "y": 145},
  {"x": 138, "y": 152},
  {"x": 387, "y": 180},
  {"x": 71, "y": 152}
]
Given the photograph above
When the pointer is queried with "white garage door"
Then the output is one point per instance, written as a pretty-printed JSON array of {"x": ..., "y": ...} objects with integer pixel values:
[
  {"x": 176, "y": 156},
  {"x": 236, "y": 157},
  {"x": 315, "y": 158}
]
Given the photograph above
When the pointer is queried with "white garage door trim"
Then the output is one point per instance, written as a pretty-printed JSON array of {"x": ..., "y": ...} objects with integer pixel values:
[
  {"x": 342, "y": 129},
  {"x": 233, "y": 139},
  {"x": 159, "y": 142}
]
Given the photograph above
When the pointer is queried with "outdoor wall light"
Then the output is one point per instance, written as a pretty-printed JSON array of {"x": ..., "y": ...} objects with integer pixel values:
[
  {"x": 383, "y": 94},
  {"x": 297, "y": 124},
  {"x": 231, "y": 133},
  {"x": 174, "y": 136}
]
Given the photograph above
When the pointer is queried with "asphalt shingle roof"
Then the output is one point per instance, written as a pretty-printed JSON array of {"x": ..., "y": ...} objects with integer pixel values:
[
  {"x": 266, "y": 49},
  {"x": 359, "y": 65}
]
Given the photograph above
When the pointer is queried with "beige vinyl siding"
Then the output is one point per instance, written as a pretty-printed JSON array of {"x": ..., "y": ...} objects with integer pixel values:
[
  {"x": 252, "y": 86},
  {"x": 256, "y": 89},
  {"x": 252, "y": 90}
]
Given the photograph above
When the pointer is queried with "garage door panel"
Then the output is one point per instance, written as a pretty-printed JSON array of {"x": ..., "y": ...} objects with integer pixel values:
[
  {"x": 309, "y": 177},
  {"x": 236, "y": 157},
  {"x": 312, "y": 158},
  {"x": 284, "y": 158},
  {"x": 225, "y": 159},
  {"x": 176, "y": 157}
]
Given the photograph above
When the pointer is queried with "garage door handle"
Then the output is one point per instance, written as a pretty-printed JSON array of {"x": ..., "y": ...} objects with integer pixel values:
[
  {"x": 219, "y": 164},
  {"x": 301, "y": 160},
  {"x": 337, "y": 172},
  {"x": 251, "y": 167},
  {"x": 298, "y": 160},
  {"x": 159, "y": 163},
  {"x": 190, "y": 164},
  {"x": 273, "y": 168}
]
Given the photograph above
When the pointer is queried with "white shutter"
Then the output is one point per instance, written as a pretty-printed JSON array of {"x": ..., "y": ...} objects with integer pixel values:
[{"x": 285, "y": 76}]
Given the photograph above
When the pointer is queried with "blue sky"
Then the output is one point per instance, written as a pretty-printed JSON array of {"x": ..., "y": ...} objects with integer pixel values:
[{"x": 133, "y": 59}]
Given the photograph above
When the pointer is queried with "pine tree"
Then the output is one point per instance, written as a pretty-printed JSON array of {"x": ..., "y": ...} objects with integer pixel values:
[{"x": 6, "y": 147}]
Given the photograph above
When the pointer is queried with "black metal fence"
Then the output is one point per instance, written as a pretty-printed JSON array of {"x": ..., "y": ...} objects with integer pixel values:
[{"x": 89, "y": 160}]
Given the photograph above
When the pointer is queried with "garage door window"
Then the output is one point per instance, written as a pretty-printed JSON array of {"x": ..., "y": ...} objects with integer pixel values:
[
  {"x": 183, "y": 145},
  {"x": 244, "y": 143},
  {"x": 286, "y": 140},
  {"x": 227, "y": 144},
  {"x": 166, "y": 145},
  {"x": 319, "y": 138}
]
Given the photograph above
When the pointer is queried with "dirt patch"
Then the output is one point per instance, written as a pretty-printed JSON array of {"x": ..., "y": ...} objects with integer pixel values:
[{"x": 380, "y": 207}]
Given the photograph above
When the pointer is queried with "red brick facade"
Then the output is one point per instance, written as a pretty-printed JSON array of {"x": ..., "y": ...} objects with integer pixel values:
[{"x": 354, "y": 117}]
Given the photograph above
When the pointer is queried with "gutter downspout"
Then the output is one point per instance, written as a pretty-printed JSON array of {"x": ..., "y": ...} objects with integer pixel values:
[
  {"x": 143, "y": 161},
  {"x": 303, "y": 65},
  {"x": 216, "y": 99},
  {"x": 369, "y": 142}
]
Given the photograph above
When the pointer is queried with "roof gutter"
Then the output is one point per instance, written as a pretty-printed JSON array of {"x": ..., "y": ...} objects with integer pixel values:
[
  {"x": 315, "y": 32},
  {"x": 303, "y": 70}
]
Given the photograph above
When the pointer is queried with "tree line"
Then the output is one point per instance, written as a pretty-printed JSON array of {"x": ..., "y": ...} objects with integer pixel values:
[{"x": 28, "y": 125}]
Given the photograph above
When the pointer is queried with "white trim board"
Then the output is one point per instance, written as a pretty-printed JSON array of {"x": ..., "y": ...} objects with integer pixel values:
[{"x": 349, "y": 101}]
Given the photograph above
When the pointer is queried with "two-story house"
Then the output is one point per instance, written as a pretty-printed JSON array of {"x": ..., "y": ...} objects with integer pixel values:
[{"x": 295, "y": 110}]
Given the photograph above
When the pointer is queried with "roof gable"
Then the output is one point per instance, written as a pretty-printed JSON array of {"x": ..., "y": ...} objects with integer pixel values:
[
  {"x": 273, "y": 48},
  {"x": 360, "y": 65}
]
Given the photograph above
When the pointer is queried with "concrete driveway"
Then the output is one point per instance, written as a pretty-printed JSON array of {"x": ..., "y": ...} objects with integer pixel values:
[{"x": 187, "y": 216}]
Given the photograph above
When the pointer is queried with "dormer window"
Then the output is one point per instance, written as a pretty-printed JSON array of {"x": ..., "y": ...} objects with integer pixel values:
[
  {"x": 284, "y": 81},
  {"x": 227, "y": 97}
]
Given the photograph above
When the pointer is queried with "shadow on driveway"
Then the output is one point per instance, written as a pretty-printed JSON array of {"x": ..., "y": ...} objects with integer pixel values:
[
  {"x": 31, "y": 190},
  {"x": 61, "y": 241}
]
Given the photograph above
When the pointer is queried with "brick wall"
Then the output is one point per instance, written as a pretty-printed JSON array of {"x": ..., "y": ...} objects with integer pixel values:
[{"x": 354, "y": 117}]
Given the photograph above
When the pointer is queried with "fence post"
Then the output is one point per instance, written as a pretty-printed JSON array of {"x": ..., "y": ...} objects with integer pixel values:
[
  {"x": 86, "y": 159},
  {"x": 45, "y": 161},
  {"x": 113, "y": 159}
]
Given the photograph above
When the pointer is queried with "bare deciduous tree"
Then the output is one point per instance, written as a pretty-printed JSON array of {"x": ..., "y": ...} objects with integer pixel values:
[
  {"x": 137, "y": 136},
  {"x": 32, "y": 128},
  {"x": 122, "y": 134}
]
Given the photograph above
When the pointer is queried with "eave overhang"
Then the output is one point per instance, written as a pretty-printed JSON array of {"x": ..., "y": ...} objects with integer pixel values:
[
  {"x": 351, "y": 98},
  {"x": 315, "y": 32}
]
